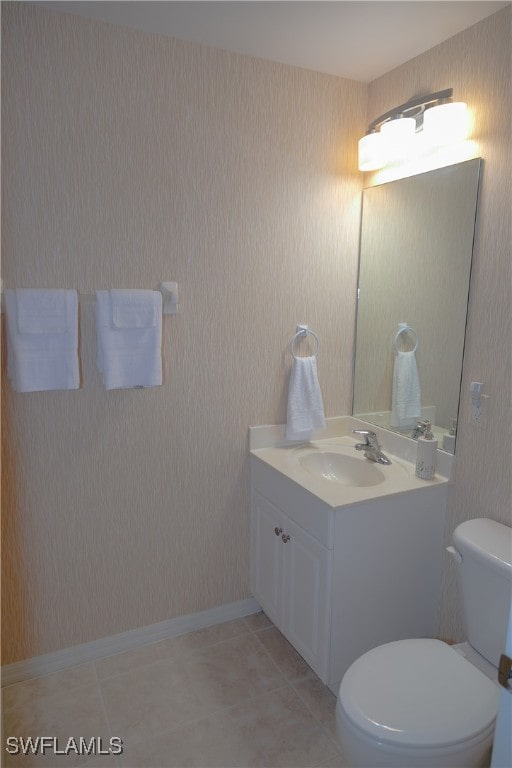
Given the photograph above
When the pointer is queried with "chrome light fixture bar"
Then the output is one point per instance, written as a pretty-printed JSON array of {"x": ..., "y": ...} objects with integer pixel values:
[{"x": 395, "y": 134}]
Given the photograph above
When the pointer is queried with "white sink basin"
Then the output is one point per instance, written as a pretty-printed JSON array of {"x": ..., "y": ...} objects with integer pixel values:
[
  {"x": 340, "y": 468},
  {"x": 333, "y": 471}
]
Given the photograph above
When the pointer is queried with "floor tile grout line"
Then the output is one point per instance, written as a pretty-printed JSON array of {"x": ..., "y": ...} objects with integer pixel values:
[
  {"x": 213, "y": 712},
  {"x": 171, "y": 658},
  {"x": 254, "y": 630},
  {"x": 105, "y": 714},
  {"x": 302, "y": 698},
  {"x": 291, "y": 684},
  {"x": 249, "y": 631},
  {"x": 64, "y": 670},
  {"x": 151, "y": 663},
  {"x": 274, "y": 662},
  {"x": 50, "y": 695},
  {"x": 216, "y": 710},
  {"x": 325, "y": 730},
  {"x": 290, "y": 681}
]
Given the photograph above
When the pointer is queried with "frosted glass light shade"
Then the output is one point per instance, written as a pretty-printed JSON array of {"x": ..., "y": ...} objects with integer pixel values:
[
  {"x": 403, "y": 127},
  {"x": 446, "y": 123},
  {"x": 371, "y": 152},
  {"x": 399, "y": 135}
]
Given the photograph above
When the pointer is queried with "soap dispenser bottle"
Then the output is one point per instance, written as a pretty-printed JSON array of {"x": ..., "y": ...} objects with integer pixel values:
[{"x": 426, "y": 453}]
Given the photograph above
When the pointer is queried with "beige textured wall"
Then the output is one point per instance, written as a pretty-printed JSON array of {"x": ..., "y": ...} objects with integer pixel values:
[
  {"x": 477, "y": 64},
  {"x": 127, "y": 159}
]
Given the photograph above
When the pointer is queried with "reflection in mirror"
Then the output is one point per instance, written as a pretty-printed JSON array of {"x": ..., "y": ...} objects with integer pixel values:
[{"x": 414, "y": 271}]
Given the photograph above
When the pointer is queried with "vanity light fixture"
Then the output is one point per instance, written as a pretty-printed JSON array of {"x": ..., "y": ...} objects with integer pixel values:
[{"x": 414, "y": 127}]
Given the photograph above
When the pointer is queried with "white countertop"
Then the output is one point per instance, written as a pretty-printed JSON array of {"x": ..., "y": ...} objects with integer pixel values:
[{"x": 268, "y": 445}]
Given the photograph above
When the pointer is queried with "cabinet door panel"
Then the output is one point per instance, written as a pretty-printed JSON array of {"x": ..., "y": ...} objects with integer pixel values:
[
  {"x": 306, "y": 598},
  {"x": 267, "y": 557}
]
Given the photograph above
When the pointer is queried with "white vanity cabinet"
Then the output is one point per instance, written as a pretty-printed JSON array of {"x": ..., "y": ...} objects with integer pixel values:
[
  {"x": 341, "y": 570},
  {"x": 291, "y": 579}
]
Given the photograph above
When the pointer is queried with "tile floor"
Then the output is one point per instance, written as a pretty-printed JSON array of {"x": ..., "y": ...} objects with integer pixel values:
[{"x": 230, "y": 696}]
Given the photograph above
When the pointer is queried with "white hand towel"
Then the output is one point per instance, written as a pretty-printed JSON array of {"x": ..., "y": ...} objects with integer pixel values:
[
  {"x": 305, "y": 404},
  {"x": 42, "y": 338},
  {"x": 129, "y": 336},
  {"x": 406, "y": 394},
  {"x": 134, "y": 309}
]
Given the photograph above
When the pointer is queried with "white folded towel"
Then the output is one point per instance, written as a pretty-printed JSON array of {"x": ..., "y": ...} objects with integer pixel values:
[
  {"x": 135, "y": 309},
  {"x": 305, "y": 404},
  {"x": 129, "y": 336},
  {"x": 42, "y": 338},
  {"x": 406, "y": 394}
]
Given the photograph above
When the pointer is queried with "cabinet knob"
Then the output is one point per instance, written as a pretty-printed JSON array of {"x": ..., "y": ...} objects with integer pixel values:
[
  {"x": 278, "y": 531},
  {"x": 285, "y": 537}
]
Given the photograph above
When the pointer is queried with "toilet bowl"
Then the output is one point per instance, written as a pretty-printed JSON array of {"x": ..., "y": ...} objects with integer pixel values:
[
  {"x": 419, "y": 703},
  {"x": 416, "y": 703}
]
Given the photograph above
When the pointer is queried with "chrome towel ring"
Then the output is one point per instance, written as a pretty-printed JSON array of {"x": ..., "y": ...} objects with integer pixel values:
[
  {"x": 405, "y": 328},
  {"x": 302, "y": 331}
]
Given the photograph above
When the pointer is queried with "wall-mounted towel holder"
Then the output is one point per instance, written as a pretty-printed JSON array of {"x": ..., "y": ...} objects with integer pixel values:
[
  {"x": 406, "y": 328},
  {"x": 300, "y": 332},
  {"x": 169, "y": 293}
]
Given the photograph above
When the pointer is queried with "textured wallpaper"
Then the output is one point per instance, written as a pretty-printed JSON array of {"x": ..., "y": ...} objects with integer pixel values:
[
  {"x": 128, "y": 159},
  {"x": 476, "y": 64}
]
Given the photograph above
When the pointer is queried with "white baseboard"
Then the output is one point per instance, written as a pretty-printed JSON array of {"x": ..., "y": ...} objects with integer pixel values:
[{"x": 125, "y": 641}]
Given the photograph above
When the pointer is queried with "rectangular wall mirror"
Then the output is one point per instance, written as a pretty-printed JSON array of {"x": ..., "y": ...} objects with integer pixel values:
[{"x": 414, "y": 272}]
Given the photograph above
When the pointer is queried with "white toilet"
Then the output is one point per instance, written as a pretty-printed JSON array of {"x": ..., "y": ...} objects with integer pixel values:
[{"x": 421, "y": 703}]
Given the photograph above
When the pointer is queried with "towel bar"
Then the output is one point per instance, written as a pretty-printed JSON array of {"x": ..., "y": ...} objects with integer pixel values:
[
  {"x": 303, "y": 330},
  {"x": 405, "y": 328},
  {"x": 169, "y": 293}
]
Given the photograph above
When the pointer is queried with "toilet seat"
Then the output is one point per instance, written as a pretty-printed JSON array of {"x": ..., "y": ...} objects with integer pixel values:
[{"x": 418, "y": 693}]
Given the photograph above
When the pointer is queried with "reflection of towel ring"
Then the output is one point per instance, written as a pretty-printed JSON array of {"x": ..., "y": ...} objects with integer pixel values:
[
  {"x": 405, "y": 328},
  {"x": 303, "y": 330}
]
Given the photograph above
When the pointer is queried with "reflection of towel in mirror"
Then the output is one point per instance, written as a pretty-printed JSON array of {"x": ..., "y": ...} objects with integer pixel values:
[
  {"x": 305, "y": 404},
  {"x": 405, "y": 398}
]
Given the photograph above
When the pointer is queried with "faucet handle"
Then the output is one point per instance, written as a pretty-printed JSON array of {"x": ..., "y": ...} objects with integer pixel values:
[
  {"x": 371, "y": 447},
  {"x": 371, "y": 437},
  {"x": 365, "y": 432}
]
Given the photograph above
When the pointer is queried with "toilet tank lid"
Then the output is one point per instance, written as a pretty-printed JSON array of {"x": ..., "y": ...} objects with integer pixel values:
[{"x": 486, "y": 540}]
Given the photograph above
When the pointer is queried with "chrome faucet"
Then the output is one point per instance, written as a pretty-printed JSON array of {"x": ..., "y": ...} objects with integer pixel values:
[
  {"x": 420, "y": 429},
  {"x": 371, "y": 447}
]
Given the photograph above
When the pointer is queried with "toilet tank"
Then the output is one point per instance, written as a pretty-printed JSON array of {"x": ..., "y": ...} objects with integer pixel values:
[{"x": 485, "y": 583}]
